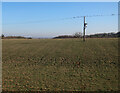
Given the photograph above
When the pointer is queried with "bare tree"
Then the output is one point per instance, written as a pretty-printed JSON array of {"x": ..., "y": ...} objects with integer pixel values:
[
  {"x": 2, "y": 36},
  {"x": 78, "y": 35}
]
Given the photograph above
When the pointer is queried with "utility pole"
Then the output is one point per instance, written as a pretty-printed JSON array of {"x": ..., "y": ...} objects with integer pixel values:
[
  {"x": 85, "y": 25},
  {"x": 84, "y": 30}
]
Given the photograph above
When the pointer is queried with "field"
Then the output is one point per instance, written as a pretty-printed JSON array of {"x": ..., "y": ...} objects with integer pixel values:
[{"x": 60, "y": 64}]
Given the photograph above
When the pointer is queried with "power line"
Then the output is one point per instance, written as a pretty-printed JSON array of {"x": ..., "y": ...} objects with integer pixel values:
[
  {"x": 95, "y": 15},
  {"x": 75, "y": 17}
]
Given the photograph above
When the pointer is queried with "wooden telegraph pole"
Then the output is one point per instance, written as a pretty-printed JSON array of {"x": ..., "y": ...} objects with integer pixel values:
[{"x": 85, "y": 24}]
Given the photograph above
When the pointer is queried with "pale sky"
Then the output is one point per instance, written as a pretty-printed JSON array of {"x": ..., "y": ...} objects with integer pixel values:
[{"x": 44, "y": 19}]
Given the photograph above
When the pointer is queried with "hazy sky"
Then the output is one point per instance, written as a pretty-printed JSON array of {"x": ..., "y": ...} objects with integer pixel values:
[{"x": 44, "y": 19}]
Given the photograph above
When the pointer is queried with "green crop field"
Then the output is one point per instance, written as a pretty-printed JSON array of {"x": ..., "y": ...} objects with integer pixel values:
[{"x": 60, "y": 64}]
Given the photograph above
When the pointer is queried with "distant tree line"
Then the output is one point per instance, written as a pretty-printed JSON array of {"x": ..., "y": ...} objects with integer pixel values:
[
  {"x": 14, "y": 37},
  {"x": 104, "y": 35},
  {"x": 65, "y": 36},
  {"x": 76, "y": 35},
  {"x": 99, "y": 35}
]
